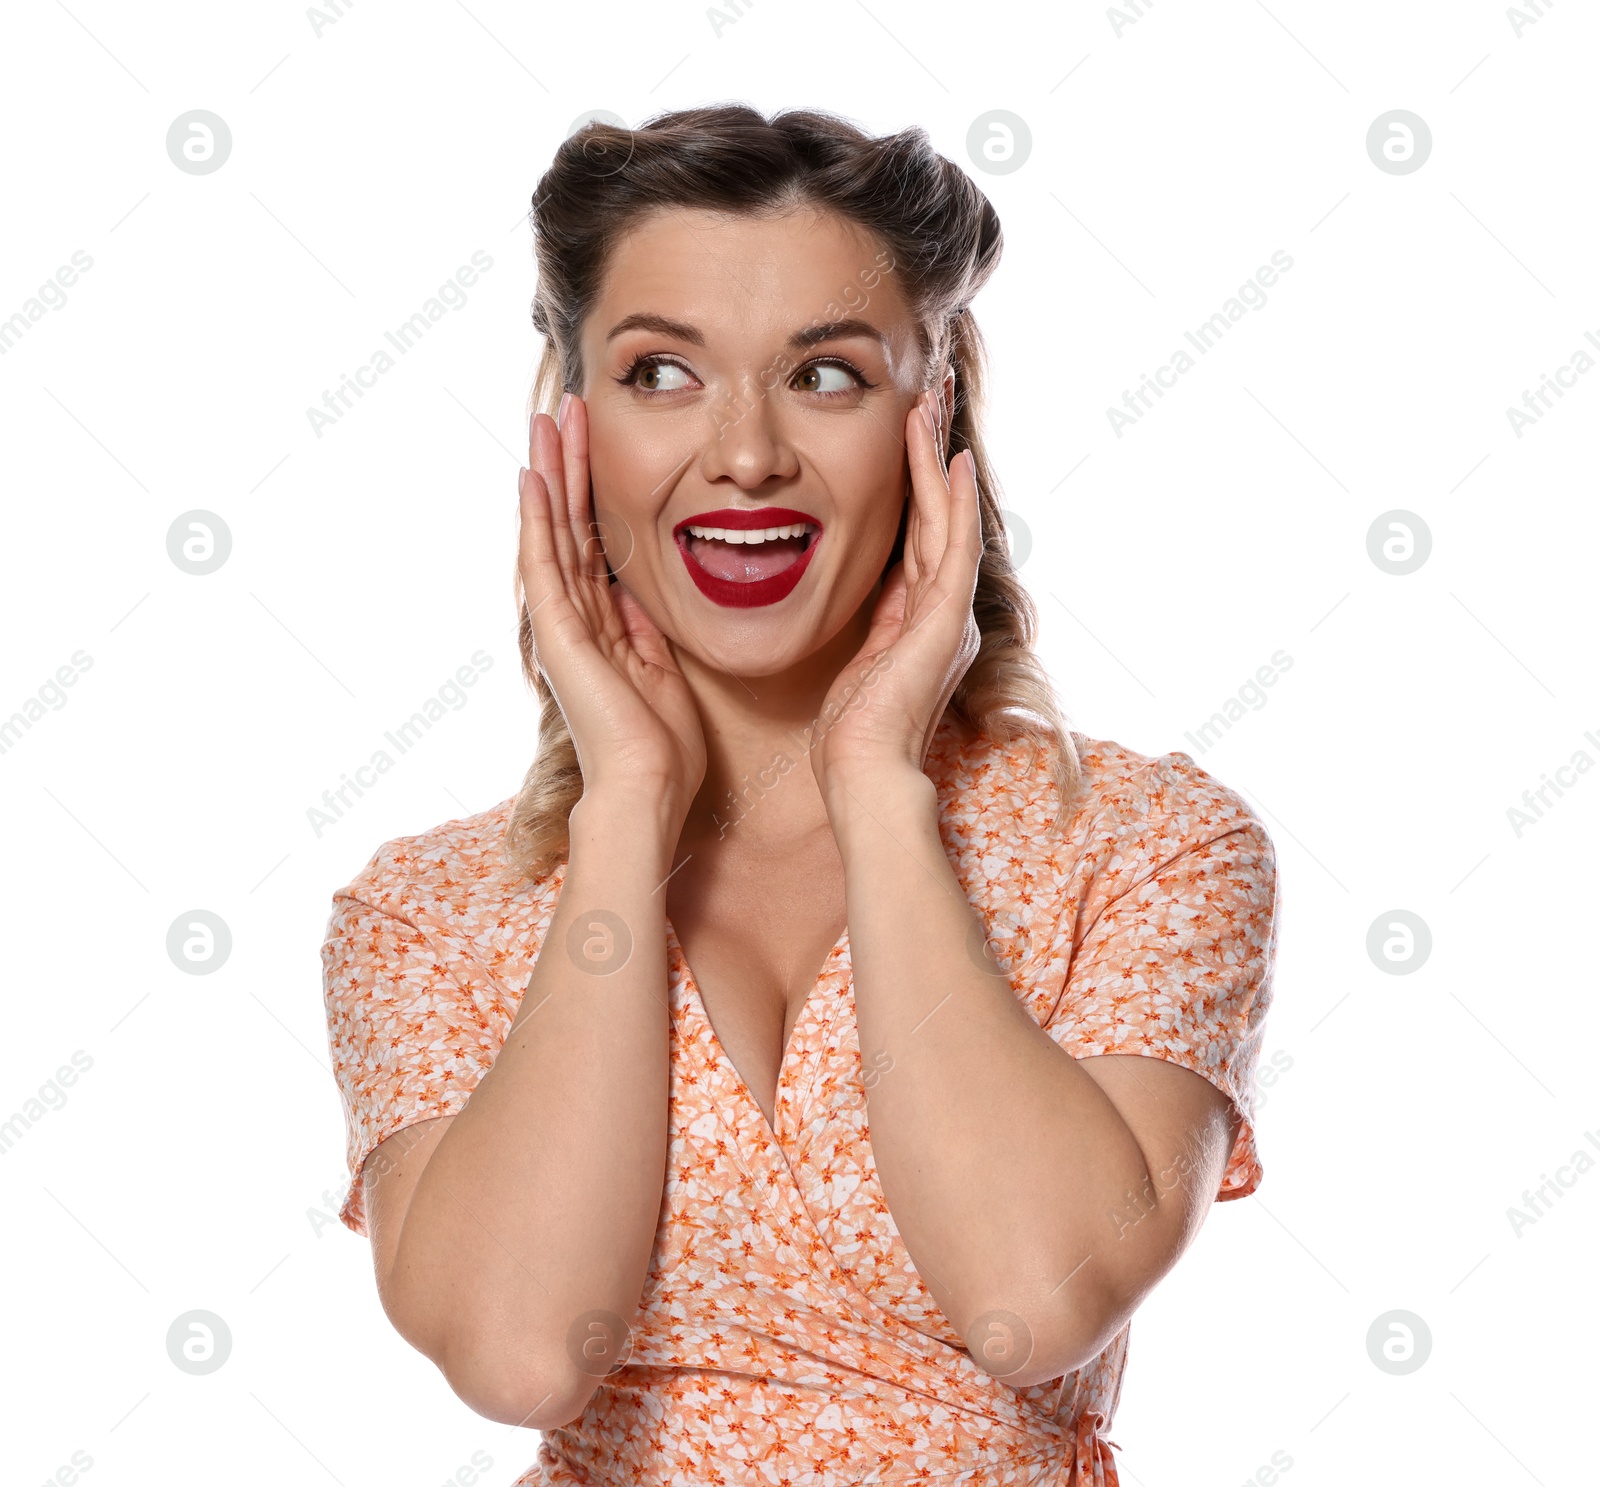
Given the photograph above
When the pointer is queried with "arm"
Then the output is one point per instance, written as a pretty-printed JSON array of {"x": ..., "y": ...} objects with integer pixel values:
[
  {"x": 1041, "y": 1197},
  {"x": 524, "y": 1241},
  {"x": 1005, "y": 1162},
  {"x": 496, "y": 1229}
]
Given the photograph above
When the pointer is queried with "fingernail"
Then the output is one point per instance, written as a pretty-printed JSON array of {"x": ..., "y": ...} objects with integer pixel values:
[
  {"x": 561, "y": 411},
  {"x": 927, "y": 414}
]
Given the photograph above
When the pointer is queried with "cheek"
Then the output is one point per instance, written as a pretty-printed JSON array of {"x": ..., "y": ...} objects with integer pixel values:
[
  {"x": 626, "y": 480},
  {"x": 616, "y": 454},
  {"x": 866, "y": 523},
  {"x": 631, "y": 463},
  {"x": 867, "y": 481}
]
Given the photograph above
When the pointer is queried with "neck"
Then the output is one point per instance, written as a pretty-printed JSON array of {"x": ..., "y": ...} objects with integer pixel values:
[{"x": 759, "y": 788}]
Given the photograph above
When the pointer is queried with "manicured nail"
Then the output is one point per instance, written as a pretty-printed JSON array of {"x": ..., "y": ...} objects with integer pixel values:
[
  {"x": 927, "y": 414},
  {"x": 561, "y": 411}
]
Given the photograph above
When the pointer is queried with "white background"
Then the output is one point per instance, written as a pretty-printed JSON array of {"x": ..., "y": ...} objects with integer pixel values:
[{"x": 1171, "y": 155}]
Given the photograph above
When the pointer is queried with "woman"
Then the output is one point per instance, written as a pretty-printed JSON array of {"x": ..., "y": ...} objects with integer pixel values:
[{"x": 805, "y": 840}]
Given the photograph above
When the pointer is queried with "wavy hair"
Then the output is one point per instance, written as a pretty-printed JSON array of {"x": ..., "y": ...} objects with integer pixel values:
[{"x": 943, "y": 237}]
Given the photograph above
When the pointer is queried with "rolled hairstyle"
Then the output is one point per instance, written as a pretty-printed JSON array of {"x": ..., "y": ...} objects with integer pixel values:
[{"x": 943, "y": 240}]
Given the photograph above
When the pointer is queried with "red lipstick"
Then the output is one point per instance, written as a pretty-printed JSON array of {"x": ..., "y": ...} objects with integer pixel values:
[{"x": 749, "y": 574}]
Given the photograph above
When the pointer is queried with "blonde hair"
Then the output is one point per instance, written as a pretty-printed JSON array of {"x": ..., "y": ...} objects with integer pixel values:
[{"x": 942, "y": 233}]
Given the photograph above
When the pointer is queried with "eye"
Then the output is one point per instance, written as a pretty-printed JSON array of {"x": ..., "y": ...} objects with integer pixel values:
[
  {"x": 830, "y": 378},
  {"x": 818, "y": 378},
  {"x": 656, "y": 374}
]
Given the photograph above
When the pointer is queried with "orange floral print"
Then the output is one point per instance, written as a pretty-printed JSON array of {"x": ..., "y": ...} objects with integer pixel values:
[{"x": 783, "y": 1335}]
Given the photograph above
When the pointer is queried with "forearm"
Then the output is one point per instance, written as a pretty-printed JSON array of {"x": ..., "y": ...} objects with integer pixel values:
[
  {"x": 541, "y": 1201},
  {"x": 999, "y": 1157}
]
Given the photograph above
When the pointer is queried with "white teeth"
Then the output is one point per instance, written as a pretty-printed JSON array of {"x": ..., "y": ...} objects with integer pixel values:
[{"x": 753, "y": 535}]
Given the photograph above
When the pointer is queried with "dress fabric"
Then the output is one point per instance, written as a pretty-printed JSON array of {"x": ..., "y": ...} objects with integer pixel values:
[{"x": 784, "y": 1336}]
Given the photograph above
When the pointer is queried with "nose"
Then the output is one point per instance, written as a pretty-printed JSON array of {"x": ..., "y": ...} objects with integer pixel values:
[{"x": 745, "y": 439}]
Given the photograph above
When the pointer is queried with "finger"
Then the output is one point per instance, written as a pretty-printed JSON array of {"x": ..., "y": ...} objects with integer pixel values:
[
  {"x": 941, "y": 433},
  {"x": 889, "y": 613},
  {"x": 908, "y": 547},
  {"x": 930, "y": 490},
  {"x": 953, "y": 581},
  {"x": 574, "y": 431},
  {"x": 963, "y": 549},
  {"x": 641, "y": 631},
  {"x": 536, "y": 556},
  {"x": 940, "y": 485},
  {"x": 911, "y": 558},
  {"x": 563, "y": 619},
  {"x": 550, "y": 466},
  {"x": 538, "y": 459}
]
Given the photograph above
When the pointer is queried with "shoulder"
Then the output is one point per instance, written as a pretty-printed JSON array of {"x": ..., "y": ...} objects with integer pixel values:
[
  {"x": 454, "y": 885},
  {"x": 1119, "y": 796},
  {"x": 1129, "y": 817},
  {"x": 427, "y": 953},
  {"x": 1139, "y": 813}
]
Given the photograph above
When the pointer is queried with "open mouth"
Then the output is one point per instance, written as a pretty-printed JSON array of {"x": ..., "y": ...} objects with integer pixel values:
[{"x": 745, "y": 558}]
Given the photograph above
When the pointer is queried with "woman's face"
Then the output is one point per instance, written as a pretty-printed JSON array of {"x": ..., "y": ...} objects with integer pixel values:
[{"x": 745, "y": 374}]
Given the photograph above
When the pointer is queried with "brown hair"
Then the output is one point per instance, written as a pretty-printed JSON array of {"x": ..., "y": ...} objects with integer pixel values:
[{"x": 942, "y": 235}]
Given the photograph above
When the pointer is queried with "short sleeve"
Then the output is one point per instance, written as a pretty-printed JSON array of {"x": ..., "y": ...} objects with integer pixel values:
[
  {"x": 1178, "y": 964},
  {"x": 408, "y": 1040}
]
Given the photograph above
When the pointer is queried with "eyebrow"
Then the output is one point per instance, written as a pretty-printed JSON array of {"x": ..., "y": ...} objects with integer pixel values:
[{"x": 799, "y": 341}]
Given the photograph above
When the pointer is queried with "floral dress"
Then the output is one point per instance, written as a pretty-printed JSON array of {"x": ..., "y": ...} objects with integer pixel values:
[{"x": 784, "y": 1337}]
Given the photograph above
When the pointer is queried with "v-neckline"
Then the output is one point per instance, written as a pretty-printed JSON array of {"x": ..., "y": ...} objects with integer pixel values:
[{"x": 720, "y": 1057}]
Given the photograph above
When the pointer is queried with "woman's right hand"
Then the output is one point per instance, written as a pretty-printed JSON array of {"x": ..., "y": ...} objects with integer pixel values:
[{"x": 632, "y": 717}]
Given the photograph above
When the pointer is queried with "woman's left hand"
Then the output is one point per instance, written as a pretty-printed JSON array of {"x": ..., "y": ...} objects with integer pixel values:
[{"x": 884, "y": 707}]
